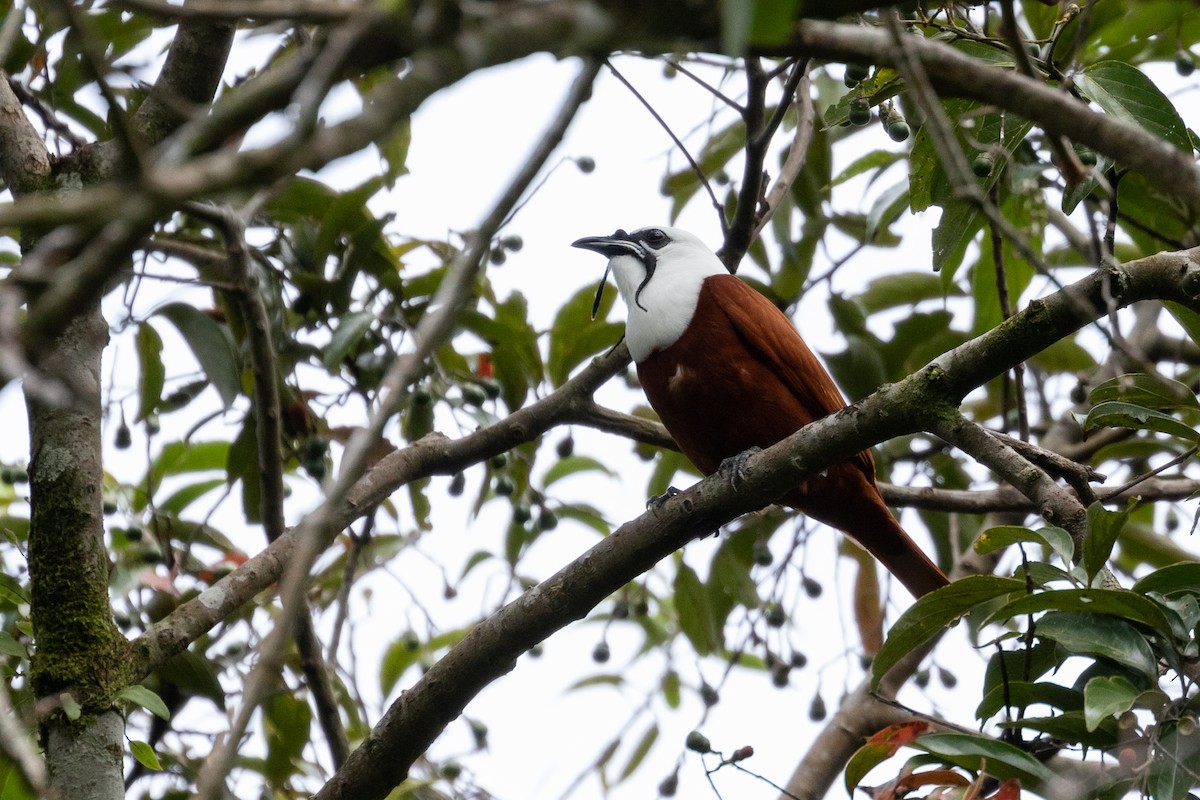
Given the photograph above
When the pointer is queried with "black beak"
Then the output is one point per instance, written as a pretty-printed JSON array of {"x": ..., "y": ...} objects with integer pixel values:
[
  {"x": 615, "y": 245},
  {"x": 618, "y": 244}
]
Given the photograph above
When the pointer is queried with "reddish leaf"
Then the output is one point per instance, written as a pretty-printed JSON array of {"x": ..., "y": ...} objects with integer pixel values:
[
  {"x": 1009, "y": 790},
  {"x": 880, "y": 747}
]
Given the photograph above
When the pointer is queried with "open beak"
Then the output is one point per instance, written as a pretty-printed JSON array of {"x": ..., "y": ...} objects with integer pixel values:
[
  {"x": 612, "y": 246},
  {"x": 615, "y": 245}
]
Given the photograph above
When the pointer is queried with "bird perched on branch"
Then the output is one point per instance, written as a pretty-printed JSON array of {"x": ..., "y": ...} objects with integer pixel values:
[{"x": 726, "y": 372}]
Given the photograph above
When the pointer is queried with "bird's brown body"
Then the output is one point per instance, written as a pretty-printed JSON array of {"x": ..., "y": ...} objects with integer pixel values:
[
  {"x": 741, "y": 377},
  {"x": 726, "y": 371}
]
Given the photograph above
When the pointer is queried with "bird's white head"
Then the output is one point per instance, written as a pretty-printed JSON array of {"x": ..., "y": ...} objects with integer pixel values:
[{"x": 659, "y": 273}]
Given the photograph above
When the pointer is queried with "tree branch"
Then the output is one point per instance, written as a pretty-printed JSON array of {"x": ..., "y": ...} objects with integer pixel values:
[{"x": 419, "y": 715}]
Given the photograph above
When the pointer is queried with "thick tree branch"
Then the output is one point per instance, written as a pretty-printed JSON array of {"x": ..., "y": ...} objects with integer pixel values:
[
  {"x": 955, "y": 74},
  {"x": 971, "y": 364},
  {"x": 491, "y": 648},
  {"x": 24, "y": 161}
]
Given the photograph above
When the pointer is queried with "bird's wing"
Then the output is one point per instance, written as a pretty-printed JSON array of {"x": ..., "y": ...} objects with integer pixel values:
[{"x": 770, "y": 335}]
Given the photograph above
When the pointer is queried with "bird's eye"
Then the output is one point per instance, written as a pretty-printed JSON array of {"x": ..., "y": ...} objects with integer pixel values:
[{"x": 655, "y": 238}]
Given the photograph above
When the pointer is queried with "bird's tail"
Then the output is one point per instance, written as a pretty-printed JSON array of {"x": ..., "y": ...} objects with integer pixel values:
[{"x": 859, "y": 512}]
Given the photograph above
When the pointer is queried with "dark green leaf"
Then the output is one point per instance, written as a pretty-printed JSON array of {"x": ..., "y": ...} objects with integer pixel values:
[
  {"x": 1173, "y": 775},
  {"x": 1143, "y": 389},
  {"x": 1019, "y": 694},
  {"x": 574, "y": 336},
  {"x": 1069, "y": 726},
  {"x": 287, "y": 721},
  {"x": 1116, "y": 414},
  {"x": 903, "y": 289},
  {"x": 1173, "y": 579},
  {"x": 195, "y": 675},
  {"x": 1101, "y": 636},
  {"x": 1057, "y": 539},
  {"x": 141, "y": 696},
  {"x": 1126, "y": 93},
  {"x": 1116, "y": 602},
  {"x": 695, "y": 615},
  {"x": 11, "y": 647},
  {"x": 1103, "y": 528},
  {"x": 772, "y": 21},
  {"x": 981, "y": 753},
  {"x": 874, "y": 160},
  {"x": 933, "y": 612},
  {"x": 345, "y": 340},
  {"x": 153, "y": 372},
  {"x": 212, "y": 345}
]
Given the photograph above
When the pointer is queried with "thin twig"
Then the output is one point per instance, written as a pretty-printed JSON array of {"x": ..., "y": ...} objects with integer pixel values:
[
  {"x": 682, "y": 148},
  {"x": 432, "y": 330}
]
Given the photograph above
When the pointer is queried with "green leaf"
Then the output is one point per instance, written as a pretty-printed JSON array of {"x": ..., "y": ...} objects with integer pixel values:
[
  {"x": 1020, "y": 694},
  {"x": 575, "y": 336},
  {"x": 145, "y": 755},
  {"x": 716, "y": 153},
  {"x": 1126, "y": 93},
  {"x": 730, "y": 572},
  {"x": 178, "y": 458},
  {"x": 153, "y": 371},
  {"x": 980, "y": 753},
  {"x": 772, "y": 21},
  {"x": 1057, "y": 539},
  {"x": 883, "y": 212},
  {"x": 737, "y": 20},
  {"x": 694, "y": 612},
  {"x": 11, "y": 647},
  {"x": 1188, "y": 319},
  {"x": 1105, "y": 696},
  {"x": 394, "y": 149},
  {"x": 212, "y": 344},
  {"x": 141, "y": 696},
  {"x": 287, "y": 721},
  {"x": 1069, "y": 726},
  {"x": 903, "y": 289},
  {"x": 195, "y": 675},
  {"x": 639, "y": 752},
  {"x": 1100, "y": 636},
  {"x": 1173, "y": 775},
  {"x": 1143, "y": 389},
  {"x": 1103, "y": 528},
  {"x": 671, "y": 688},
  {"x": 346, "y": 337},
  {"x": 241, "y": 463},
  {"x": 1173, "y": 579},
  {"x": 572, "y": 465},
  {"x": 1117, "y": 414},
  {"x": 70, "y": 706},
  {"x": 935, "y": 611},
  {"x": 875, "y": 160},
  {"x": 1120, "y": 603},
  {"x": 178, "y": 501}
]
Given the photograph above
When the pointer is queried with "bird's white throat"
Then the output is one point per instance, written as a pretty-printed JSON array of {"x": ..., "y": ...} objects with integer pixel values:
[{"x": 664, "y": 309}]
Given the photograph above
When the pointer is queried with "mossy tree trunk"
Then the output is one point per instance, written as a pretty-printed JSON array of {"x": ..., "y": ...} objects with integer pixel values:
[
  {"x": 80, "y": 661},
  {"x": 79, "y": 649}
]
